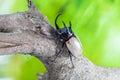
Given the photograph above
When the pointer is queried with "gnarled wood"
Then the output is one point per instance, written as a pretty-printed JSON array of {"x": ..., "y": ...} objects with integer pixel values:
[{"x": 31, "y": 32}]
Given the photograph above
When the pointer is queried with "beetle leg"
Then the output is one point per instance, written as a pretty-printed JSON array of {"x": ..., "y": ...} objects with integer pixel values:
[
  {"x": 70, "y": 54},
  {"x": 57, "y": 54}
]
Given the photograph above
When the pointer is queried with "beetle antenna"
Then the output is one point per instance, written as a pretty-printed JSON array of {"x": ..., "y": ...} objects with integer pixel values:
[
  {"x": 56, "y": 25},
  {"x": 64, "y": 23}
]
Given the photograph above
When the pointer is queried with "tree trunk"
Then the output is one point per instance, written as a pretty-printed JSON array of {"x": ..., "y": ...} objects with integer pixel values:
[{"x": 30, "y": 32}]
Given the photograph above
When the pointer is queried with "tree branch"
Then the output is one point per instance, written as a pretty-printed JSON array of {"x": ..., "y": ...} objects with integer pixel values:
[
  {"x": 31, "y": 32},
  {"x": 25, "y": 32}
]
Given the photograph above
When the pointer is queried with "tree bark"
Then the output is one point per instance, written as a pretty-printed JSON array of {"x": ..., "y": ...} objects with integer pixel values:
[
  {"x": 26, "y": 32},
  {"x": 30, "y": 32}
]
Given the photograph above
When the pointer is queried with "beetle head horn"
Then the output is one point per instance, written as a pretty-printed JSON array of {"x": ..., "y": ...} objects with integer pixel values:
[{"x": 56, "y": 25}]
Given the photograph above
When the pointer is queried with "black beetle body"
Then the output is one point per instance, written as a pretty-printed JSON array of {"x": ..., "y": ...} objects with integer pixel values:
[{"x": 69, "y": 39}]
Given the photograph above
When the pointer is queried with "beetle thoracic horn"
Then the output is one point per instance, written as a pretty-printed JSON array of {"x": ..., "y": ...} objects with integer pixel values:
[
  {"x": 56, "y": 25},
  {"x": 64, "y": 23},
  {"x": 70, "y": 24}
]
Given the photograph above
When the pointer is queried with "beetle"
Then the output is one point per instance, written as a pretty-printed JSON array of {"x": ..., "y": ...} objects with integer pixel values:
[{"x": 68, "y": 39}]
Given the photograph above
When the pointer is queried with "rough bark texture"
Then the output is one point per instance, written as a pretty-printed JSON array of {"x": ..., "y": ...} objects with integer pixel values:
[{"x": 31, "y": 32}]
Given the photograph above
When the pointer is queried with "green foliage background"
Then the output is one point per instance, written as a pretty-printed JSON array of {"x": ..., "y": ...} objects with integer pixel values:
[
  {"x": 12, "y": 6},
  {"x": 95, "y": 22},
  {"x": 20, "y": 67}
]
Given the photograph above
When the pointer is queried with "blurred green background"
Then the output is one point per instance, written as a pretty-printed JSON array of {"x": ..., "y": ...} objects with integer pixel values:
[
  {"x": 20, "y": 67},
  {"x": 95, "y": 22},
  {"x": 13, "y": 6}
]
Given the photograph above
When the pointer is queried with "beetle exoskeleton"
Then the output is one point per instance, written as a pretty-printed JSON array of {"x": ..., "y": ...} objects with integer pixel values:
[
  {"x": 68, "y": 38},
  {"x": 74, "y": 46}
]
